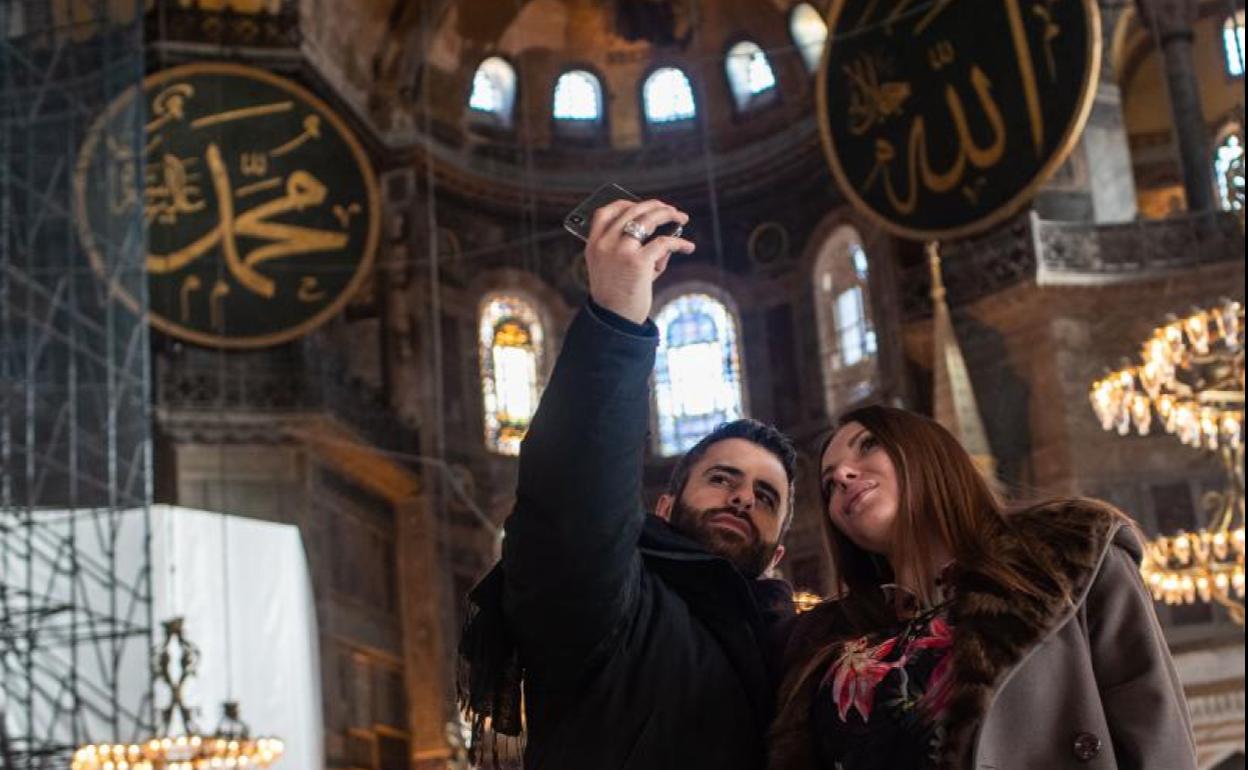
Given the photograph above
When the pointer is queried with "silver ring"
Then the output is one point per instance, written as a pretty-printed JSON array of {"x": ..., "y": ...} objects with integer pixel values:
[{"x": 636, "y": 230}]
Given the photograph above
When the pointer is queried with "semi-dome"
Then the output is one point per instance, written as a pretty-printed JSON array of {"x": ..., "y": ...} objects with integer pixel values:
[{"x": 550, "y": 97}]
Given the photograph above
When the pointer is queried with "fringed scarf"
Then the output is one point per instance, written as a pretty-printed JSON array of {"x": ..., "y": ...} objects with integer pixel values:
[{"x": 490, "y": 675}]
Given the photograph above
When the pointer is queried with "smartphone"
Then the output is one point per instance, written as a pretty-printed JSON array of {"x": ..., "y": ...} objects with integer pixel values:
[{"x": 579, "y": 220}]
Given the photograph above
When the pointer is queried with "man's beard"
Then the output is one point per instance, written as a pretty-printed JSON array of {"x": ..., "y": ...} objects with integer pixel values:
[{"x": 751, "y": 557}]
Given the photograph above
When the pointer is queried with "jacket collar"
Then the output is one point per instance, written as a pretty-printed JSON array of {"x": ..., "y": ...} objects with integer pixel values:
[
  {"x": 660, "y": 541},
  {"x": 722, "y": 598}
]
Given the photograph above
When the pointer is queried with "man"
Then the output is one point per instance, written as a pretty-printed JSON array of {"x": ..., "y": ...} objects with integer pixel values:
[{"x": 642, "y": 640}]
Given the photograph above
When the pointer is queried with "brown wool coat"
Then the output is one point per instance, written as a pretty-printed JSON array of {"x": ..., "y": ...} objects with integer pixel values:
[{"x": 1044, "y": 685}]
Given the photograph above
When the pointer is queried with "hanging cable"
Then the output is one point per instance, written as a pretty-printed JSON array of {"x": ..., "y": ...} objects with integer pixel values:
[
  {"x": 226, "y": 606},
  {"x": 709, "y": 164}
]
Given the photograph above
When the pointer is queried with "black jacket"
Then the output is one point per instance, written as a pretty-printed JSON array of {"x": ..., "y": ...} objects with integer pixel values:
[{"x": 640, "y": 650}]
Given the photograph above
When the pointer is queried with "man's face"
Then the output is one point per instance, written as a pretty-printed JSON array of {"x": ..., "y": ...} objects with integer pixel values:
[{"x": 734, "y": 505}]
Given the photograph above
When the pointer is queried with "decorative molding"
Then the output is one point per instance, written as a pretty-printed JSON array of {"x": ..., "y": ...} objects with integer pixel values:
[
  {"x": 1073, "y": 253},
  {"x": 276, "y": 26},
  {"x": 769, "y": 247},
  {"x": 973, "y": 268},
  {"x": 499, "y": 177},
  {"x": 215, "y": 398},
  {"x": 1217, "y": 722}
]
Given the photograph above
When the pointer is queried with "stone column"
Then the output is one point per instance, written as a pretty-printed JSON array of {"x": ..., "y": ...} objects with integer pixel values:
[
  {"x": 425, "y": 634},
  {"x": 1097, "y": 182},
  {"x": 1111, "y": 175},
  {"x": 1171, "y": 22},
  {"x": 398, "y": 277}
]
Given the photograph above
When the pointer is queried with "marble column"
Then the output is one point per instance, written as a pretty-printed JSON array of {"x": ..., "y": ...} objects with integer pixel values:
[
  {"x": 428, "y": 638},
  {"x": 1171, "y": 23},
  {"x": 1097, "y": 182}
]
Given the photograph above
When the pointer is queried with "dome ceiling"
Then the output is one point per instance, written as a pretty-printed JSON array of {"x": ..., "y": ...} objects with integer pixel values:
[{"x": 620, "y": 44}]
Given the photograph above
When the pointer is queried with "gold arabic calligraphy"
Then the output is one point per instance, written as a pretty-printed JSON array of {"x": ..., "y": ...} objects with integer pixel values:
[
  {"x": 253, "y": 207},
  {"x": 173, "y": 189},
  {"x": 875, "y": 100},
  {"x": 302, "y": 190}
]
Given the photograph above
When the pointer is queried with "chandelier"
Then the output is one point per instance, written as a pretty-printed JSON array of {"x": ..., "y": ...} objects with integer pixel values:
[
  {"x": 1191, "y": 380},
  {"x": 230, "y": 746}
]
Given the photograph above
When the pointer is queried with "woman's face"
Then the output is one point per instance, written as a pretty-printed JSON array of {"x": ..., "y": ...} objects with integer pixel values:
[{"x": 860, "y": 483}]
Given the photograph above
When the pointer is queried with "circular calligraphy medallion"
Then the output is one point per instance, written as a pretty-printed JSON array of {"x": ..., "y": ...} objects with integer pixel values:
[
  {"x": 260, "y": 207},
  {"x": 941, "y": 118}
]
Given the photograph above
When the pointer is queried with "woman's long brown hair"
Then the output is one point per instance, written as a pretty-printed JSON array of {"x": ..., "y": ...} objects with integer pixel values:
[{"x": 942, "y": 494}]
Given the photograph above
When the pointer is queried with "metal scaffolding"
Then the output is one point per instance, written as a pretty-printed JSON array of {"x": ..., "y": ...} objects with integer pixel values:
[{"x": 75, "y": 455}]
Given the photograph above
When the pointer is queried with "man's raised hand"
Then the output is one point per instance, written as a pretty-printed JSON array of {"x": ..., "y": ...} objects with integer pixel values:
[{"x": 622, "y": 269}]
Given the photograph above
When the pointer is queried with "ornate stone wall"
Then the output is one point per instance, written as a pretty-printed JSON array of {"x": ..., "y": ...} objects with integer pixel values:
[{"x": 370, "y": 436}]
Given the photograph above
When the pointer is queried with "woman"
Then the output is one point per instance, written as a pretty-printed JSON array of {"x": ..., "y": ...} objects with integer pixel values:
[{"x": 965, "y": 638}]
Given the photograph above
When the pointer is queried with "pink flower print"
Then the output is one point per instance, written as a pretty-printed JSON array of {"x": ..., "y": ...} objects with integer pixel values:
[
  {"x": 940, "y": 683},
  {"x": 939, "y": 637},
  {"x": 856, "y": 674},
  {"x": 939, "y": 688}
]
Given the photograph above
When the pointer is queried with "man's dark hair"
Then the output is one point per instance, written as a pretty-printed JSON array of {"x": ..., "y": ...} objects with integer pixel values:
[{"x": 753, "y": 431}]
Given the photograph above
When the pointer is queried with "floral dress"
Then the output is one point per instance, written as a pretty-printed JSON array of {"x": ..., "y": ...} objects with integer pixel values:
[{"x": 882, "y": 701}]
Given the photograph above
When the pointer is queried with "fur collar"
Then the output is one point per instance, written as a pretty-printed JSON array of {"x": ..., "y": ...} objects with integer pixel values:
[{"x": 1060, "y": 544}]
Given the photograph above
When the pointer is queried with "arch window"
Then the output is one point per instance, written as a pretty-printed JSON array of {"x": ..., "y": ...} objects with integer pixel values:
[
  {"x": 1228, "y": 169},
  {"x": 668, "y": 96},
  {"x": 1233, "y": 44},
  {"x": 749, "y": 75},
  {"x": 809, "y": 32},
  {"x": 578, "y": 96},
  {"x": 847, "y": 338},
  {"x": 494, "y": 90},
  {"x": 697, "y": 374},
  {"x": 511, "y": 344}
]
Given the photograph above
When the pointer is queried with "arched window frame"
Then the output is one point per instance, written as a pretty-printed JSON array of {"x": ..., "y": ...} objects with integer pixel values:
[
  {"x": 670, "y": 437},
  {"x": 495, "y": 68},
  {"x": 811, "y": 53},
  {"x": 576, "y": 128},
  {"x": 503, "y": 433},
  {"x": 1226, "y": 195},
  {"x": 743, "y": 97},
  {"x": 1233, "y": 44},
  {"x": 679, "y": 125},
  {"x": 841, "y": 278}
]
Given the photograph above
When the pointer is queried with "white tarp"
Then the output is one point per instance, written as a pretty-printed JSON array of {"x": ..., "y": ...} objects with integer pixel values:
[
  {"x": 244, "y": 590},
  {"x": 271, "y": 658}
]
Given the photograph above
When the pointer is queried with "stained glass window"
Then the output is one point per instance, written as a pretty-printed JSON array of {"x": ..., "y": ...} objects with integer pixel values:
[
  {"x": 697, "y": 373},
  {"x": 578, "y": 96},
  {"x": 1228, "y": 170},
  {"x": 494, "y": 89},
  {"x": 856, "y": 341},
  {"x": 749, "y": 74},
  {"x": 847, "y": 338},
  {"x": 1233, "y": 44},
  {"x": 668, "y": 96},
  {"x": 511, "y": 352},
  {"x": 809, "y": 32}
]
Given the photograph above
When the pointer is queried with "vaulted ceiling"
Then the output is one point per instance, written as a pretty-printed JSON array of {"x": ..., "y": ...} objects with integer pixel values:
[{"x": 409, "y": 68}]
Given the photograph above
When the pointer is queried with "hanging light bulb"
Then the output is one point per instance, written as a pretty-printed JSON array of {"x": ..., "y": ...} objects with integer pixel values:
[
  {"x": 1197, "y": 328},
  {"x": 1141, "y": 413},
  {"x": 1191, "y": 373},
  {"x": 1229, "y": 324},
  {"x": 1176, "y": 349}
]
